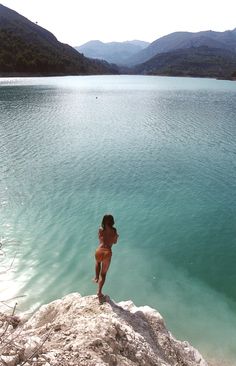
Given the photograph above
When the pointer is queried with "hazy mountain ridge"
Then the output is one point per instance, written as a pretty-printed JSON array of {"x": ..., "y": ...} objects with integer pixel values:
[
  {"x": 203, "y": 54},
  {"x": 200, "y": 61},
  {"x": 27, "y": 48},
  {"x": 181, "y": 40},
  {"x": 114, "y": 52}
]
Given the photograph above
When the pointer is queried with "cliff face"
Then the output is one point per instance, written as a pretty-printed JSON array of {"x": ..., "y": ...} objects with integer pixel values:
[{"x": 78, "y": 330}]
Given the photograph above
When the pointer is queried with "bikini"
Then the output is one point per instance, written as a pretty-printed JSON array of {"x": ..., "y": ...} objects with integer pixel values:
[{"x": 102, "y": 254}]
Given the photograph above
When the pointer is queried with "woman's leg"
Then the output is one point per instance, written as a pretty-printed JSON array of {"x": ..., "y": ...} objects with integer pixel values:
[
  {"x": 98, "y": 259},
  {"x": 105, "y": 266},
  {"x": 97, "y": 271}
]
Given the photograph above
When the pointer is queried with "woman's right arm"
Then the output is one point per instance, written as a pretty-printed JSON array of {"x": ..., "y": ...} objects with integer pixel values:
[
  {"x": 116, "y": 236},
  {"x": 100, "y": 234}
]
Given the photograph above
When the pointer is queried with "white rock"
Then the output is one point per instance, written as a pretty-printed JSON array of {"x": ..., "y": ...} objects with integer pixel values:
[
  {"x": 88, "y": 334},
  {"x": 31, "y": 346},
  {"x": 9, "y": 360}
]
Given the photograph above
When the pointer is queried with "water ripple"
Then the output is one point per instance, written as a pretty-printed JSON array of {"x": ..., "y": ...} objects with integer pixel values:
[{"x": 159, "y": 153}]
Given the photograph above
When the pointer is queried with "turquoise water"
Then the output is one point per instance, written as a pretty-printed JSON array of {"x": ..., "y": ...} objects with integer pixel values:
[{"x": 160, "y": 155}]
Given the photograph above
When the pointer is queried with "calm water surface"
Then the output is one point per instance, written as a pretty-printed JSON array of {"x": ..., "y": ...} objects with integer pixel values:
[{"x": 160, "y": 154}]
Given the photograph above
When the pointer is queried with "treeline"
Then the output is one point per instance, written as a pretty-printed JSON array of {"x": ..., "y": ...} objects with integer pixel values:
[
  {"x": 195, "y": 61},
  {"x": 17, "y": 55}
]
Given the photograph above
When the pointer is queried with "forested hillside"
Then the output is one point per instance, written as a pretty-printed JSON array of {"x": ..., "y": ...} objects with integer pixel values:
[{"x": 29, "y": 49}]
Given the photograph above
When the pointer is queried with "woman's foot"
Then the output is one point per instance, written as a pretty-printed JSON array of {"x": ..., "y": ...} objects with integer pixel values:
[
  {"x": 101, "y": 298},
  {"x": 95, "y": 279}
]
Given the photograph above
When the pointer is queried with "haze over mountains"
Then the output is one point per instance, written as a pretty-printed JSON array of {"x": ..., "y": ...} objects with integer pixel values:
[
  {"x": 200, "y": 61},
  {"x": 28, "y": 49},
  {"x": 114, "y": 52},
  {"x": 182, "y": 40},
  {"x": 141, "y": 51},
  {"x": 205, "y": 53}
]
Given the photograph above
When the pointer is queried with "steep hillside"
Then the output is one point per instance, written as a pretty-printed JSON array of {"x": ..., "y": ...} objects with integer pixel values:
[
  {"x": 114, "y": 52},
  {"x": 27, "y": 48},
  {"x": 181, "y": 40},
  {"x": 195, "y": 61}
]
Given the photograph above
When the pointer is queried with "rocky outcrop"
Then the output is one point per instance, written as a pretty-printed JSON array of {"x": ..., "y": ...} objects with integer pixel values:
[{"x": 77, "y": 330}]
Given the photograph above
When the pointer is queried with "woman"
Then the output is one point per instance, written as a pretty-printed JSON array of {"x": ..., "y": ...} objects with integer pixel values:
[{"x": 108, "y": 236}]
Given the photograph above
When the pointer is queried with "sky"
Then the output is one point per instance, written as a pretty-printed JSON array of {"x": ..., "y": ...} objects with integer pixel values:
[{"x": 78, "y": 21}]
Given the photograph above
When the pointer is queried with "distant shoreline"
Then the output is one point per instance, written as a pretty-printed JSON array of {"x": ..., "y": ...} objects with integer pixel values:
[
  {"x": 19, "y": 74},
  {"x": 26, "y": 75}
]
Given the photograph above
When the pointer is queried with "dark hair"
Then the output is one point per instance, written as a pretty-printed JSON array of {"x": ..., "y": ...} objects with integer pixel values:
[{"x": 107, "y": 220}]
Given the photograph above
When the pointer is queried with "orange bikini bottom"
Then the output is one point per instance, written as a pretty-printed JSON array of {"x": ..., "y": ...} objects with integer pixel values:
[{"x": 102, "y": 254}]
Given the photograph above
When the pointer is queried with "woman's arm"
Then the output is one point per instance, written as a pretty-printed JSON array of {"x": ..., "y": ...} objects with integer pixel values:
[
  {"x": 100, "y": 234},
  {"x": 116, "y": 236}
]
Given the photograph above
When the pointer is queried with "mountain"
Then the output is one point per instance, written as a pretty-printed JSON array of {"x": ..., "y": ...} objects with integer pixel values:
[
  {"x": 29, "y": 49},
  {"x": 182, "y": 40},
  {"x": 200, "y": 61},
  {"x": 114, "y": 52}
]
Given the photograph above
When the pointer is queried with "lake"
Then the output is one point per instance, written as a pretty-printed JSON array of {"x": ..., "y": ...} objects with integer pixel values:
[{"x": 159, "y": 154}]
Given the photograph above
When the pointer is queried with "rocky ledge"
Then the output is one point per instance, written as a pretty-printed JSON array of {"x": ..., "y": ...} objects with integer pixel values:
[{"x": 77, "y": 330}]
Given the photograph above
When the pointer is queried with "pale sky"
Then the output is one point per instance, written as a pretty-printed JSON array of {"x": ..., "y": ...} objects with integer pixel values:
[{"x": 78, "y": 21}]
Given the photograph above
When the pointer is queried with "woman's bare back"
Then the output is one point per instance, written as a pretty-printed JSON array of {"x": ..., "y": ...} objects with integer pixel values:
[{"x": 107, "y": 237}]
